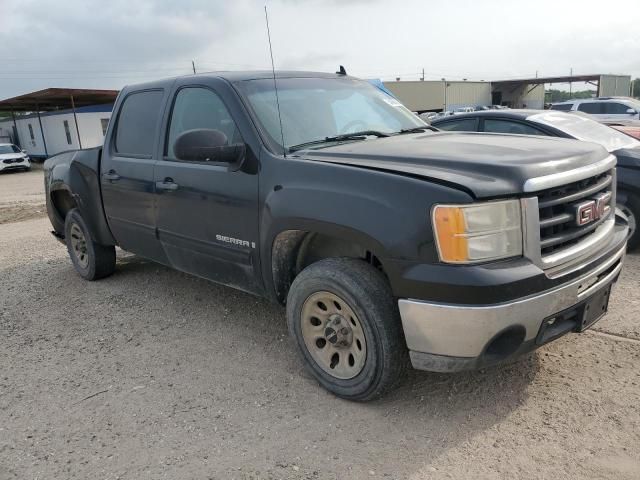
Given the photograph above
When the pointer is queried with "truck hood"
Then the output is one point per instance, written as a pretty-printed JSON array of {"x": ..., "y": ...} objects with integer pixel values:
[{"x": 486, "y": 165}]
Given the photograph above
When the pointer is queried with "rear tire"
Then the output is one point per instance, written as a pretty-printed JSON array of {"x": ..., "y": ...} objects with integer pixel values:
[
  {"x": 91, "y": 260},
  {"x": 345, "y": 322}
]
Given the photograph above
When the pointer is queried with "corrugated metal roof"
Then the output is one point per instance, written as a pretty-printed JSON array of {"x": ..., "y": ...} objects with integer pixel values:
[{"x": 57, "y": 98}]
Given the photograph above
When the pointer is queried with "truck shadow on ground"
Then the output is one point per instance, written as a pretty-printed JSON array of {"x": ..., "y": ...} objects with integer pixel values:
[
  {"x": 167, "y": 350},
  {"x": 424, "y": 417}
]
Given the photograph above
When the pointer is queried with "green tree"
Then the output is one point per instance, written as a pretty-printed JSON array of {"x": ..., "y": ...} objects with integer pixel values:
[{"x": 553, "y": 95}]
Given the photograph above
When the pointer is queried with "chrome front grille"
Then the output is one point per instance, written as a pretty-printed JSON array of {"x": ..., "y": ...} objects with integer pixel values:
[
  {"x": 554, "y": 238},
  {"x": 562, "y": 208}
]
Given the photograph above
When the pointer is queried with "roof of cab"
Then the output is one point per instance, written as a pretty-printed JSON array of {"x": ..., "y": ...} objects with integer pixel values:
[{"x": 239, "y": 76}]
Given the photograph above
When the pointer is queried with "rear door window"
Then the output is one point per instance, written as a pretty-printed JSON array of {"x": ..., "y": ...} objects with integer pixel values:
[
  {"x": 137, "y": 124},
  {"x": 510, "y": 127},
  {"x": 462, "y": 125}
]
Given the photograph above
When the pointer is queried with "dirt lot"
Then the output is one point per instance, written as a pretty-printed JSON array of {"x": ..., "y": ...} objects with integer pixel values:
[{"x": 154, "y": 374}]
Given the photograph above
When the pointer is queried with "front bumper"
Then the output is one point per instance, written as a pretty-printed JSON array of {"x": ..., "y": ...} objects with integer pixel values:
[
  {"x": 14, "y": 165},
  {"x": 448, "y": 337}
]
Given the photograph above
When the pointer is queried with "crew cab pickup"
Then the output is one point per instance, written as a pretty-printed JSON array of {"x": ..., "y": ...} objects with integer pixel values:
[{"x": 385, "y": 239}]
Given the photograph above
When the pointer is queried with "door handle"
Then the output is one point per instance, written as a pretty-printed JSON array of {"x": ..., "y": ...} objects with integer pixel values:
[
  {"x": 111, "y": 175},
  {"x": 168, "y": 185}
]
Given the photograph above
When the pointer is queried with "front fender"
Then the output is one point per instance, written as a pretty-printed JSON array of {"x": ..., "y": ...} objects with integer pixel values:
[{"x": 386, "y": 213}]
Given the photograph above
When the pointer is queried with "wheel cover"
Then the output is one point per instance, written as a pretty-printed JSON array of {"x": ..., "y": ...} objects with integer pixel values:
[
  {"x": 79, "y": 245},
  {"x": 631, "y": 218},
  {"x": 333, "y": 335}
]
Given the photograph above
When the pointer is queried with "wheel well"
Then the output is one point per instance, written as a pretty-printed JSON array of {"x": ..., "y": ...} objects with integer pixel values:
[
  {"x": 62, "y": 202},
  {"x": 293, "y": 250}
]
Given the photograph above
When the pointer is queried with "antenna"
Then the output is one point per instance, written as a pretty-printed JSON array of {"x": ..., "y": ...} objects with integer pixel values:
[{"x": 275, "y": 85}]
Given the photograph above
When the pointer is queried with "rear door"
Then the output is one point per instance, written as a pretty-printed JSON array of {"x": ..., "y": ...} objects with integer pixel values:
[
  {"x": 207, "y": 213},
  {"x": 616, "y": 111},
  {"x": 127, "y": 167}
]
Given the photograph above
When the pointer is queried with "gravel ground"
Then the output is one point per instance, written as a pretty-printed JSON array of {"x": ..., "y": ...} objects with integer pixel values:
[
  {"x": 21, "y": 195},
  {"x": 154, "y": 374}
]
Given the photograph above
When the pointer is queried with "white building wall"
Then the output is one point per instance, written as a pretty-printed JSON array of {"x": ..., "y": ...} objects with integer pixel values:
[
  {"x": 89, "y": 125},
  {"x": 615, "y": 85},
  {"x": 467, "y": 94},
  {"x": 430, "y": 95},
  {"x": 418, "y": 95}
]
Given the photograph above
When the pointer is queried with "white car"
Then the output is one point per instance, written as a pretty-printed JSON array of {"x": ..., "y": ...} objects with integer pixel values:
[
  {"x": 12, "y": 158},
  {"x": 618, "y": 110}
]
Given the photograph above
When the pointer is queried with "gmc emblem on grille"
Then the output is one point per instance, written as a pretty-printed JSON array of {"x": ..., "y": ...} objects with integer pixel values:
[{"x": 592, "y": 210}]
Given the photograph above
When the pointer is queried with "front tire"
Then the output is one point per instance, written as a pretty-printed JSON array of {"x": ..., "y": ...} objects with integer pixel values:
[
  {"x": 345, "y": 322},
  {"x": 91, "y": 260},
  {"x": 629, "y": 204}
]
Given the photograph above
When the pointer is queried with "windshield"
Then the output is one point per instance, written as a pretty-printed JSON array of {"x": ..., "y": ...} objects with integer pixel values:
[
  {"x": 583, "y": 128},
  {"x": 316, "y": 108},
  {"x": 9, "y": 149}
]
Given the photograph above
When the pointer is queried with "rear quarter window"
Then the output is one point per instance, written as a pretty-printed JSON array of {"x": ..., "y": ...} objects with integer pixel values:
[{"x": 137, "y": 123}]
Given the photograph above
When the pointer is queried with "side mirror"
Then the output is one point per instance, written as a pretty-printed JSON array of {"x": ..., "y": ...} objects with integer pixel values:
[
  {"x": 207, "y": 145},
  {"x": 631, "y": 111}
]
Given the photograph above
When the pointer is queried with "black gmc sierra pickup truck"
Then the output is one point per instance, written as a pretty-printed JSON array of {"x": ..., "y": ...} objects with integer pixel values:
[{"x": 386, "y": 240}]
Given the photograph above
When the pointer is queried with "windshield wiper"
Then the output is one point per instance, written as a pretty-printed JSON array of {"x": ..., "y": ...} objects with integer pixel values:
[
  {"x": 346, "y": 136},
  {"x": 417, "y": 129}
]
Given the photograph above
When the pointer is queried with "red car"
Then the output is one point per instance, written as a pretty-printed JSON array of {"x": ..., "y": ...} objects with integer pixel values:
[{"x": 629, "y": 130}]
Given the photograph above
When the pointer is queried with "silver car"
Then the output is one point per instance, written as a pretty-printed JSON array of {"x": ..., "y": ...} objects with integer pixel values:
[
  {"x": 13, "y": 158},
  {"x": 618, "y": 110}
]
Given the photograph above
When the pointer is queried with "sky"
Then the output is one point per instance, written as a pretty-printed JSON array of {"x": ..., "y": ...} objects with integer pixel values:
[{"x": 109, "y": 44}]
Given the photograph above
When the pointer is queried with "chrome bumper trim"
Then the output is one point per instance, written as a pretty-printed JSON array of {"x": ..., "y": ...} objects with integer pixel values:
[{"x": 464, "y": 331}]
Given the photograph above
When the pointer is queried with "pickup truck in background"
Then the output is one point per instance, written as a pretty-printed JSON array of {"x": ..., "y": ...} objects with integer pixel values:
[{"x": 386, "y": 240}]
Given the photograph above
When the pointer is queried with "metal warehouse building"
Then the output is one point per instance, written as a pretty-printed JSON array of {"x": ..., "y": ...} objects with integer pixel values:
[
  {"x": 440, "y": 95},
  {"x": 50, "y": 121}
]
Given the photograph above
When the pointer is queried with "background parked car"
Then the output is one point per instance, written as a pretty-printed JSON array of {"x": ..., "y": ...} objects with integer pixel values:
[
  {"x": 12, "y": 158},
  {"x": 605, "y": 109},
  {"x": 628, "y": 129},
  {"x": 428, "y": 116},
  {"x": 567, "y": 125},
  {"x": 463, "y": 110}
]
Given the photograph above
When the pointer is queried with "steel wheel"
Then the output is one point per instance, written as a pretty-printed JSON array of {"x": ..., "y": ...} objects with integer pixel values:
[
  {"x": 79, "y": 246},
  {"x": 333, "y": 335}
]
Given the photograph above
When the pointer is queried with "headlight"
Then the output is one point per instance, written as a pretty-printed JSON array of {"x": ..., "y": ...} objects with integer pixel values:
[{"x": 478, "y": 232}]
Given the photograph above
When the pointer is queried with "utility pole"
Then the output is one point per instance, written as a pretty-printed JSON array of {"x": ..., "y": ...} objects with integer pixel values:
[
  {"x": 570, "y": 84},
  {"x": 422, "y": 78},
  {"x": 193, "y": 64}
]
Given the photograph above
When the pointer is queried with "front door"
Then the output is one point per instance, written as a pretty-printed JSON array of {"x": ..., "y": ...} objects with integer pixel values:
[
  {"x": 207, "y": 214},
  {"x": 127, "y": 173}
]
